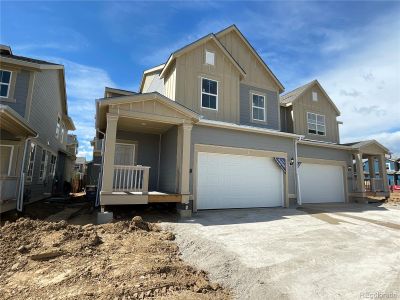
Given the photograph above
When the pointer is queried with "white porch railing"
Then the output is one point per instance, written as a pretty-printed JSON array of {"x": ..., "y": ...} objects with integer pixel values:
[
  {"x": 131, "y": 178},
  {"x": 8, "y": 187}
]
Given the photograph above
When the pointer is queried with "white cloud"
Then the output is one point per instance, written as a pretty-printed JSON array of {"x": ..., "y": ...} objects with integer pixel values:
[{"x": 365, "y": 84}]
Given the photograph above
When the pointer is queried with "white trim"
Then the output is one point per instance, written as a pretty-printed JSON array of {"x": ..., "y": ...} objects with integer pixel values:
[
  {"x": 8, "y": 84},
  {"x": 213, "y": 57},
  {"x": 316, "y": 124},
  {"x": 201, "y": 93},
  {"x": 314, "y": 96},
  {"x": 44, "y": 163},
  {"x": 10, "y": 158},
  {"x": 29, "y": 178},
  {"x": 259, "y": 107},
  {"x": 58, "y": 127}
]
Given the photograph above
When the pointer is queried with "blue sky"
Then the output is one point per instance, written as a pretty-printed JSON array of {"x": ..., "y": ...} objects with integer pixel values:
[{"x": 352, "y": 48}]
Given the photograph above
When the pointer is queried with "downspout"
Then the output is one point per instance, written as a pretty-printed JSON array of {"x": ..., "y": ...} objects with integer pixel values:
[
  {"x": 20, "y": 197},
  {"x": 298, "y": 190},
  {"x": 100, "y": 179}
]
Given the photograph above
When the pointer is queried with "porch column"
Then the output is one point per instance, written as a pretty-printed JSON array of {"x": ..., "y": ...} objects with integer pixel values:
[
  {"x": 371, "y": 167},
  {"x": 185, "y": 136},
  {"x": 383, "y": 172},
  {"x": 109, "y": 151},
  {"x": 360, "y": 173}
]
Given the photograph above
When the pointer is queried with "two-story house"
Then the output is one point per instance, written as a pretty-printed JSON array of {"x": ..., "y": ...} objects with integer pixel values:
[
  {"x": 208, "y": 129},
  {"x": 34, "y": 126}
]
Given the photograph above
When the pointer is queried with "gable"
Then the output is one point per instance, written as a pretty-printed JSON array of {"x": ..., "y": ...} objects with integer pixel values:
[
  {"x": 323, "y": 104},
  {"x": 257, "y": 72}
]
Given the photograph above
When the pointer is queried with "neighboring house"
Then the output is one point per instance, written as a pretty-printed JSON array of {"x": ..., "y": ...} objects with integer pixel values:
[
  {"x": 209, "y": 129},
  {"x": 34, "y": 124},
  {"x": 80, "y": 167},
  {"x": 392, "y": 169}
]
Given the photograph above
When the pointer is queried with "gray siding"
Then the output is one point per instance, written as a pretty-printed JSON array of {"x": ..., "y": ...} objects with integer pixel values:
[
  {"x": 20, "y": 93},
  {"x": 233, "y": 138},
  {"x": 286, "y": 119},
  {"x": 156, "y": 85},
  {"x": 272, "y": 107},
  {"x": 168, "y": 182},
  {"x": 147, "y": 152},
  {"x": 45, "y": 107}
]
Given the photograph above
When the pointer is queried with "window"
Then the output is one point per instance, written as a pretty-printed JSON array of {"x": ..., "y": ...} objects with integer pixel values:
[
  {"x": 5, "y": 79},
  {"x": 31, "y": 162},
  {"x": 124, "y": 154},
  {"x": 209, "y": 93},
  {"x": 58, "y": 127},
  {"x": 53, "y": 160},
  {"x": 316, "y": 124},
  {"x": 43, "y": 165},
  {"x": 315, "y": 96},
  {"x": 6, "y": 155},
  {"x": 62, "y": 133},
  {"x": 388, "y": 167},
  {"x": 210, "y": 58},
  {"x": 258, "y": 107}
]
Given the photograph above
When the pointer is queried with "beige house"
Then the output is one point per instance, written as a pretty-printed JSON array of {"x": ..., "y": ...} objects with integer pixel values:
[{"x": 208, "y": 130}]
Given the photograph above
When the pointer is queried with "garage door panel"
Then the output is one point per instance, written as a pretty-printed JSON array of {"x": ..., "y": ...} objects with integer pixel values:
[
  {"x": 321, "y": 183},
  {"x": 237, "y": 181}
]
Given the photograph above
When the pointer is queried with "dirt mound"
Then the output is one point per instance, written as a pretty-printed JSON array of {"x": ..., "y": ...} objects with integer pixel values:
[{"x": 123, "y": 260}]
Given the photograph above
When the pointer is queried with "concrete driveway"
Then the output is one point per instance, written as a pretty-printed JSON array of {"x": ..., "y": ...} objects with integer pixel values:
[{"x": 316, "y": 252}]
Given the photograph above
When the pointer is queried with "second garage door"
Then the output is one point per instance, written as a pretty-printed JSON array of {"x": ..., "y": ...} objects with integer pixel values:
[
  {"x": 238, "y": 181},
  {"x": 321, "y": 183}
]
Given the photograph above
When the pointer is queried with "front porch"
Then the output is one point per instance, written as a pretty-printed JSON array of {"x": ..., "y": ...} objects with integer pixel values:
[
  {"x": 377, "y": 184},
  {"x": 147, "y": 151}
]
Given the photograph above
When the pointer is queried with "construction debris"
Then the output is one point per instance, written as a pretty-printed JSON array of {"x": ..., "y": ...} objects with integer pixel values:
[{"x": 123, "y": 260}]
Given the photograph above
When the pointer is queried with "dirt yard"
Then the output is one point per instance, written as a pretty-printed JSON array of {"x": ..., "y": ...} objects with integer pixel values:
[{"x": 123, "y": 260}]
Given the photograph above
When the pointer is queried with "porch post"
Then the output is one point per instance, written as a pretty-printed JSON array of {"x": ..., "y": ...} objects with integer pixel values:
[
  {"x": 383, "y": 172},
  {"x": 371, "y": 167},
  {"x": 360, "y": 173},
  {"x": 185, "y": 134},
  {"x": 108, "y": 165}
]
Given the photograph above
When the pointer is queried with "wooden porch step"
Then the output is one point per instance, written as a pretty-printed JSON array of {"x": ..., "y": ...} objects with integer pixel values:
[{"x": 155, "y": 197}]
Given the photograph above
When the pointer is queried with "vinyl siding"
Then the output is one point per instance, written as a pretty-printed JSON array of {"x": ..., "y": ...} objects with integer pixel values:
[
  {"x": 256, "y": 75},
  {"x": 168, "y": 177},
  {"x": 305, "y": 104},
  {"x": 272, "y": 107},
  {"x": 190, "y": 68},
  {"x": 170, "y": 83},
  {"x": 20, "y": 92},
  {"x": 45, "y": 108},
  {"x": 233, "y": 138},
  {"x": 147, "y": 152}
]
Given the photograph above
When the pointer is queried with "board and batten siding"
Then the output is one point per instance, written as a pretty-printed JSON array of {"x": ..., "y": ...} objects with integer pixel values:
[
  {"x": 191, "y": 67},
  {"x": 271, "y": 107},
  {"x": 256, "y": 75},
  {"x": 170, "y": 83},
  {"x": 305, "y": 104}
]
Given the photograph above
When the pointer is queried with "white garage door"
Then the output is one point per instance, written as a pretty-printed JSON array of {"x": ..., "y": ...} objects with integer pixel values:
[
  {"x": 321, "y": 183},
  {"x": 238, "y": 181}
]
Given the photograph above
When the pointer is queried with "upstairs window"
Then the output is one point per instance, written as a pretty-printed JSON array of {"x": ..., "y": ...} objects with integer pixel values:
[
  {"x": 5, "y": 79},
  {"x": 210, "y": 58},
  {"x": 314, "y": 96},
  {"x": 62, "y": 133},
  {"x": 209, "y": 93},
  {"x": 258, "y": 107},
  {"x": 58, "y": 127},
  {"x": 31, "y": 162},
  {"x": 316, "y": 124}
]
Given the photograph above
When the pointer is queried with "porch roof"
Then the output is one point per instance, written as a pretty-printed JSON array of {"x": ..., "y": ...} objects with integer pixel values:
[
  {"x": 103, "y": 105},
  {"x": 367, "y": 146},
  {"x": 12, "y": 122}
]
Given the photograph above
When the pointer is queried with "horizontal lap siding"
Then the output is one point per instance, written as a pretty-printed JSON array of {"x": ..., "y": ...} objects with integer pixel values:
[
  {"x": 168, "y": 179},
  {"x": 233, "y": 138},
  {"x": 147, "y": 152},
  {"x": 20, "y": 92}
]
